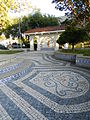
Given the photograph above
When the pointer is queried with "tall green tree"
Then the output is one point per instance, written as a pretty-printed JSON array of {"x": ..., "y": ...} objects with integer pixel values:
[
  {"x": 5, "y": 5},
  {"x": 32, "y": 21},
  {"x": 73, "y": 36},
  {"x": 78, "y": 9},
  {"x": 38, "y": 20}
]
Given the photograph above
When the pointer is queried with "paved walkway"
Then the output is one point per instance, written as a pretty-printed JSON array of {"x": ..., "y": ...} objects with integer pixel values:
[{"x": 35, "y": 86}]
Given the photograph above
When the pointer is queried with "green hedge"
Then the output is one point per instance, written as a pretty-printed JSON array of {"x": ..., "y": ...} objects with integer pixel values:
[
  {"x": 85, "y": 52},
  {"x": 10, "y": 51}
]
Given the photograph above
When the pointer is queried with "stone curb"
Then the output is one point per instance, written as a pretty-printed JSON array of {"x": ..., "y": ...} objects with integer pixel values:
[{"x": 79, "y": 60}]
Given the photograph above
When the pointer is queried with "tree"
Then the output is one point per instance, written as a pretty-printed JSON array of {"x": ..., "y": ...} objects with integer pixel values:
[
  {"x": 30, "y": 22},
  {"x": 14, "y": 6},
  {"x": 73, "y": 36},
  {"x": 12, "y": 30},
  {"x": 38, "y": 20},
  {"x": 78, "y": 9},
  {"x": 4, "y": 7}
]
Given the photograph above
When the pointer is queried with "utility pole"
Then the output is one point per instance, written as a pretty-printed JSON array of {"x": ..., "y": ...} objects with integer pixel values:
[
  {"x": 20, "y": 31},
  {"x": 20, "y": 25}
]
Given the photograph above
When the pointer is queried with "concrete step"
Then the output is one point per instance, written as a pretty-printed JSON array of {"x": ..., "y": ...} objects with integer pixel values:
[{"x": 17, "y": 70}]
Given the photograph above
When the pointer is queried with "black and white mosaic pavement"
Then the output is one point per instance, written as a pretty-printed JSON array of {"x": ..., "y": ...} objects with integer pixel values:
[{"x": 35, "y": 86}]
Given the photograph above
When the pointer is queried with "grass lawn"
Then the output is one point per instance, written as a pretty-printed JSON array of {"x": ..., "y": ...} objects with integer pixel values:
[
  {"x": 85, "y": 52},
  {"x": 10, "y": 51}
]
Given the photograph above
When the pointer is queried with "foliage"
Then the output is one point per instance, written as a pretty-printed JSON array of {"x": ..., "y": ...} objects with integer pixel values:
[
  {"x": 5, "y": 5},
  {"x": 78, "y": 9},
  {"x": 85, "y": 52},
  {"x": 10, "y": 51},
  {"x": 26, "y": 42},
  {"x": 87, "y": 28},
  {"x": 32, "y": 21},
  {"x": 11, "y": 30},
  {"x": 87, "y": 44},
  {"x": 73, "y": 36},
  {"x": 38, "y": 20},
  {"x": 7, "y": 22},
  {"x": 2, "y": 37}
]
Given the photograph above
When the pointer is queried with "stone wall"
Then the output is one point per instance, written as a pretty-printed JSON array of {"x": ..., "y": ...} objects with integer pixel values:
[
  {"x": 66, "y": 56},
  {"x": 83, "y": 61},
  {"x": 79, "y": 60}
]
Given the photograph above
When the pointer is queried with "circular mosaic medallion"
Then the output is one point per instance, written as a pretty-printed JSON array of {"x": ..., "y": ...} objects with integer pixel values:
[
  {"x": 65, "y": 84},
  {"x": 70, "y": 84},
  {"x": 70, "y": 88}
]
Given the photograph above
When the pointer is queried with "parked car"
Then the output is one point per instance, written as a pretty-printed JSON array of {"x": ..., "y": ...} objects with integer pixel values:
[
  {"x": 16, "y": 45},
  {"x": 3, "y": 47}
]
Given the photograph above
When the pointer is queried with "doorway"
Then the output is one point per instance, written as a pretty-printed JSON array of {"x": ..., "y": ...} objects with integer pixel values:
[{"x": 35, "y": 43}]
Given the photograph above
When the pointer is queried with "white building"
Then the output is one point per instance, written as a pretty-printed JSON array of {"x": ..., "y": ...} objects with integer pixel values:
[{"x": 44, "y": 38}]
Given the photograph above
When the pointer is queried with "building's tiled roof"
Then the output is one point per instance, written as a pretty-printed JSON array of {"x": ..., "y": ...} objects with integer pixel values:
[{"x": 45, "y": 29}]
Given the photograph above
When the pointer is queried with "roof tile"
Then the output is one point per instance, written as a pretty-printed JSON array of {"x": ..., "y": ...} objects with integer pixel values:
[{"x": 45, "y": 29}]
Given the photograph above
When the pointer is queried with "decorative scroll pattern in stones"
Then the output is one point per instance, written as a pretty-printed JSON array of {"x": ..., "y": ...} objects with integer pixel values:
[{"x": 65, "y": 84}]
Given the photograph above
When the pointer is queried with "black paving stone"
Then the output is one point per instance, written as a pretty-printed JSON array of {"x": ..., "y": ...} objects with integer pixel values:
[{"x": 11, "y": 108}]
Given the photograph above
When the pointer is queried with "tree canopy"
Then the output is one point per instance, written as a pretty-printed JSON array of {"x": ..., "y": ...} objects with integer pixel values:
[
  {"x": 38, "y": 20},
  {"x": 73, "y": 36},
  {"x": 30, "y": 22},
  {"x": 79, "y": 9},
  {"x": 15, "y": 6},
  {"x": 5, "y": 5}
]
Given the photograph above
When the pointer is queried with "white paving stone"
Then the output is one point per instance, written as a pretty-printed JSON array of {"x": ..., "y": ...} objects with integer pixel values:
[
  {"x": 46, "y": 66},
  {"x": 73, "y": 84},
  {"x": 3, "y": 114},
  {"x": 53, "y": 105},
  {"x": 31, "y": 112}
]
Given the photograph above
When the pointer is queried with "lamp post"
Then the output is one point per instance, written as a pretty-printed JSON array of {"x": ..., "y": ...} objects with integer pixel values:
[{"x": 20, "y": 34}]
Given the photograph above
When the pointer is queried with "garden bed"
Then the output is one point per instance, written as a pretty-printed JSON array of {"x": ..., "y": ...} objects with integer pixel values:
[{"x": 85, "y": 52}]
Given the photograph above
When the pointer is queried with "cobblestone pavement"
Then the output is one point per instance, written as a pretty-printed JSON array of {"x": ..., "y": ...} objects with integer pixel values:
[{"x": 36, "y": 86}]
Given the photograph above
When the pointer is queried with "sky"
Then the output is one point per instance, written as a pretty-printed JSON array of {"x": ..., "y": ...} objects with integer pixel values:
[{"x": 45, "y": 6}]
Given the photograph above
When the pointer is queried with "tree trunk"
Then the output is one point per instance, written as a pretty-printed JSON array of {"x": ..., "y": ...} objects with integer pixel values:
[{"x": 73, "y": 47}]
